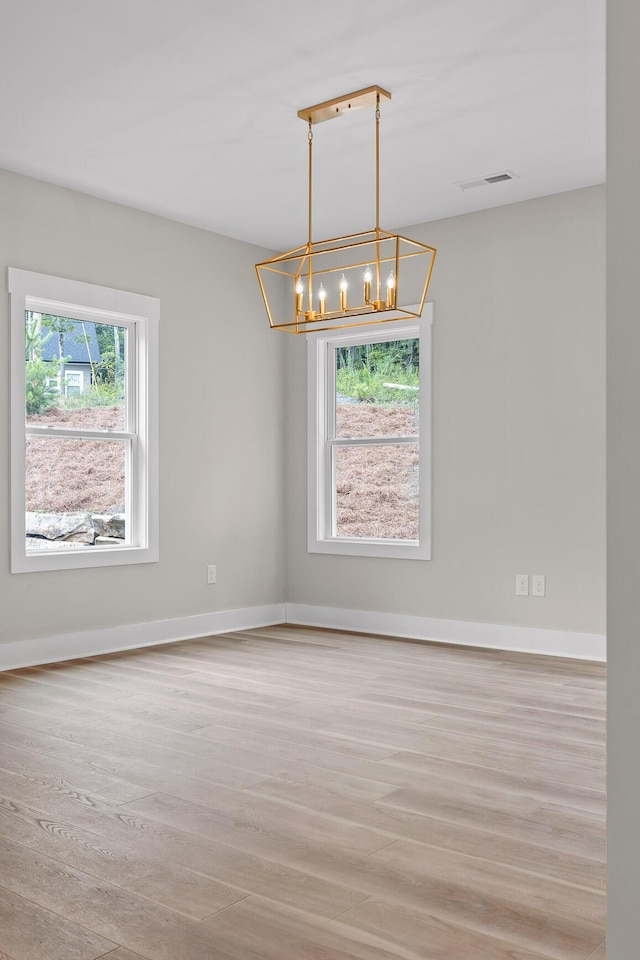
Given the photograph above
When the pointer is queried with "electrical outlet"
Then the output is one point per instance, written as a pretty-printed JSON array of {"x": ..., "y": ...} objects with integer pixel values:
[
  {"x": 522, "y": 584},
  {"x": 211, "y": 573},
  {"x": 538, "y": 586}
]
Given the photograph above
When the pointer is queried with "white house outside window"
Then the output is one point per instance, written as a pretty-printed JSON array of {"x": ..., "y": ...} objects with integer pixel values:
[
  {"x": 369, "y": 440},
  {"x": 84, "y": 455}
]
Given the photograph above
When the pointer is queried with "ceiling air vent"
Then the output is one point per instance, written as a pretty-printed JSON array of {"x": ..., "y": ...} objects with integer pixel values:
[{"x": 485, "y": 181}]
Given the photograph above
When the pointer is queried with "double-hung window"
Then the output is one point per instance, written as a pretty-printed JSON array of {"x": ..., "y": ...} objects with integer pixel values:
[
  {"x": 84, "y": 418},
  {"x": 369, "y": 440},
  {"x": 73, "y": 383}
]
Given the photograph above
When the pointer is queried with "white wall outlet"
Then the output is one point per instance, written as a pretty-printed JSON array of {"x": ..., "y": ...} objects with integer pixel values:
[
  {"x": 211, "y": 573},
  {"x": 522, "y": 584},
  {"x": 538, "y": 586}
]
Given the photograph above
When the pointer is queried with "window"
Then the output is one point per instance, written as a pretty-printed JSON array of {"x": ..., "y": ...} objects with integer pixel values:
[
  {"x": 73, "y": 382},
  {"x": 369, "y": 440},
  {"x": 84, "y": 419}
]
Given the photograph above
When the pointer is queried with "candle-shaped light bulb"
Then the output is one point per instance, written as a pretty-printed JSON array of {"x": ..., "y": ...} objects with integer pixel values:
[
  {"x": 299, "y": 288},
  {"x": 322, "y": 299},
  {"x": 391, "y": 290},
  {"x": 368, "y": 277},
  {"x": 343, "y": 293}
]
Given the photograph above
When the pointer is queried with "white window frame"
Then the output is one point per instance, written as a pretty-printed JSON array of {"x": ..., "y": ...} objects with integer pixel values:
[
  {"x": 320, "y": 441},
  {"x": 140, "y": 315}
]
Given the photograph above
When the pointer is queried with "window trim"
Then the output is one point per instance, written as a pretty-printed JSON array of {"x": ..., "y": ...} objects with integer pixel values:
[
  {"x": 141, "y": 315},
  {"x": 320, "y": 393}
]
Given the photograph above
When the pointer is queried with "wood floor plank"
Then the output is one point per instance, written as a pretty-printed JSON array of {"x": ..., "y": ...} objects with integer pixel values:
[
  {"x": 479, "y": 699},
  {"x": 219, "y": 861},
  {"x": 285, "y": 935},
  {"x": 250, "y": 752},
  {"x": 163, "y": 673},
  {"x": 480, "y": 740},
  {"x": 122, "y": 954},
  {"x": 538, "y": 892},
  {"x": 159, "y": 766},
  {"x": 511, "y": 720},
  {"x": 440, "y": 828},
  {"x": 286, "y": 677},
  {"x": 155, "y": 878},
  {"x": 306, "y": 738},
  {"x": 441, "y": 796},
  {"x": 313, "y": 712},
  {"x": 234, "y": 768},
  {"x": 472, "y": 706},
  {"x": 529, "y": 730},
  {"x": 42, "y": 720},
  {"x": 582, "y": 773},
  {"x": 29, "y": 931},
  {"x": 25, "y": 693},
  {"x": 292, "y": 793},
  {"x": 105, "y": 909},
  {"x": 417, "y": 772},
  {"x": 271, "y": 750},
  {"x": 100, "y": 763},
  {"x": 203, "y": 711},
  {"x": 260, "y": 825},
  {"x": 118, "y": 790},
  {"x": 76, "y": 677},
  {"x": 428, "y": 936},
  {"x": 488, "y": 912},
  {"x": 600, "y": 953},
  {"x": 565, "y": 829},
  {"x": 259, "y": 929},
  {"x": 453, "y": 899}
]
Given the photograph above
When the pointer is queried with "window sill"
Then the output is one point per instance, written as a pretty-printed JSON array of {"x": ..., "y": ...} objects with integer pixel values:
[
  {"x": 76, "y": 558},
  {"x": 392, "y": 549}
]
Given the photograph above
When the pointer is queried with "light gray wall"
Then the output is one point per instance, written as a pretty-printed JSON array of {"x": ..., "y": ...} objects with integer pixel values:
[
  {"x": 221, "y": 414},
  {"x": 518, "y": 429},
  {"x": 623, "y": 417}
]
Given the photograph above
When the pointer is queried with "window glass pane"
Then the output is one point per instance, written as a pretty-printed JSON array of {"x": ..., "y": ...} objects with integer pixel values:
[
  {"x": 75, "y": 373},
  {"x": 376, "y": 491},
  {"x": 377, "y": 389},
  {"x": 75, "y": 492}
]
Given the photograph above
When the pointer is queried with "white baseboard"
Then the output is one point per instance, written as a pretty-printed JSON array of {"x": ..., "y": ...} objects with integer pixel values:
[
  {"x": 555, "y": 643},
  {"x": 91, "y": 643}
]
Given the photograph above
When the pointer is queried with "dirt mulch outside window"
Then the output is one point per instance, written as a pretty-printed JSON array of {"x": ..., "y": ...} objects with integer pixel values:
[
  {"x": 65, "y": 476},
  {"x": 377, "y": 486}
]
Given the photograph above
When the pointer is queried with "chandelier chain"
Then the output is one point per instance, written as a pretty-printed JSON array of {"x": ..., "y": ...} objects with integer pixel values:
[
  {"x": 377, "y": 162},
  {"x": 310, "y": 241}
]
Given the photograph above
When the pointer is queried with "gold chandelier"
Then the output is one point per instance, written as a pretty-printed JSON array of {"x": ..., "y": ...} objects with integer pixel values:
[{"x": 361, "y": 278}]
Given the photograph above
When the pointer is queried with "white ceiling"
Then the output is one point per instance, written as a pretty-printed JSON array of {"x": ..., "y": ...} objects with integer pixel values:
[{"x": 187, "y": 108}]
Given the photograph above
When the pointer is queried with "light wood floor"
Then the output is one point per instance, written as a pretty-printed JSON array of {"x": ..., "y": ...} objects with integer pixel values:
[{"x": 298, "y": 794}]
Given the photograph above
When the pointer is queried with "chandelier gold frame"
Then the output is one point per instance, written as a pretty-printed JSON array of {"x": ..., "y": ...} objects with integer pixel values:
[{"x": 293, "y": 283}]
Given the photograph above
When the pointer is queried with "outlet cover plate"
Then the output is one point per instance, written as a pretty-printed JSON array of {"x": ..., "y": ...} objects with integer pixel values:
[{"x": 538, "y": 585}]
